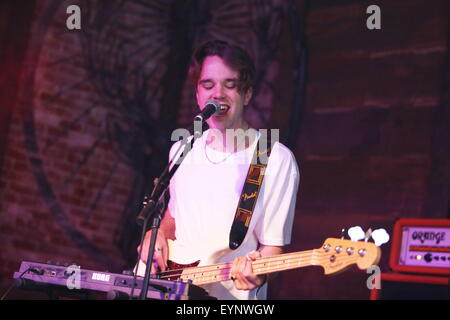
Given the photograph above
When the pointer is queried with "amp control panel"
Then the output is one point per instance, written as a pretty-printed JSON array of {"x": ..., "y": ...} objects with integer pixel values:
[{"x": 421, "y": 246}]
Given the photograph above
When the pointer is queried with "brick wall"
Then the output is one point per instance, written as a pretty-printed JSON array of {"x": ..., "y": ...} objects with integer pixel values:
[{"x": 367, "y": 145}]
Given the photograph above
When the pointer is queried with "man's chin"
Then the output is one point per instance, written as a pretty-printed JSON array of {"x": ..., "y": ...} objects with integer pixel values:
[{"x": 218, "y": 123}]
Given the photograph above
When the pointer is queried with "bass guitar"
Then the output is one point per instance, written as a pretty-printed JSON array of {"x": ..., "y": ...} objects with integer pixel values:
[{"x": 335, "y": 255}]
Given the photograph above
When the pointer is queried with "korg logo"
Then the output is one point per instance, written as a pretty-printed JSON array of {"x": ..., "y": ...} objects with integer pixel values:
[{"x": 100, "y": 277}]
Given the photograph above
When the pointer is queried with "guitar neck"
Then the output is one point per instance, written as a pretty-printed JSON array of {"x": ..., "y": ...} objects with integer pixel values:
[{"x": 222, "y": 272}]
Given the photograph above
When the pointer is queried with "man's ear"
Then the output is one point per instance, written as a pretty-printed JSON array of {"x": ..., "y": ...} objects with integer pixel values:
[
  {"x": 196, "y": 94},
  {"x": 248, "y": 96},
  {"x": 196, "y": 97}
]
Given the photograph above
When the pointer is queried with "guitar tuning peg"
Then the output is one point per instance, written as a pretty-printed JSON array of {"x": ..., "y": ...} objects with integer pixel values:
[
  {"x": 380, "y": 236},
  {"x": 356, "y": 233},
  {"x": 368, "y": 234}
]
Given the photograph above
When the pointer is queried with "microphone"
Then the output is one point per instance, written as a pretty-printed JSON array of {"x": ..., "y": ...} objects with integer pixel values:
[{"x": 212, "y": 107}]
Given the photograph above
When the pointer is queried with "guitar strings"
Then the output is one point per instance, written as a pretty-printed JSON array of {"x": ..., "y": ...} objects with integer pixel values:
[
  {"x": 224, "y": 269},
  {"x": 224, "y": 274},
  {"x": 265, "y": 260},
  {"x": 216, "y": 268},
  {"x": 256, "y": 262}
]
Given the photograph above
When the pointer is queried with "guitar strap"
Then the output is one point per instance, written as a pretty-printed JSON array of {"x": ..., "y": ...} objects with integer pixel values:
[{"x": 250, "y": 192}]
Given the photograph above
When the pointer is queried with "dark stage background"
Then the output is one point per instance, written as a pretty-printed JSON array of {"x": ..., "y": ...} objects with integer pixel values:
[{"x": 86, "y": 117}]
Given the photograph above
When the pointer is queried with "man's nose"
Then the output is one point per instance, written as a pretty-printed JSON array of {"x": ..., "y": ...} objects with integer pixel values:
[{"x": 218, "y": 93}]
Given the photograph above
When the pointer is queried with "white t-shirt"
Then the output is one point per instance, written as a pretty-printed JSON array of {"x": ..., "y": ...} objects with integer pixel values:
[{"x": 203, "y": 201}]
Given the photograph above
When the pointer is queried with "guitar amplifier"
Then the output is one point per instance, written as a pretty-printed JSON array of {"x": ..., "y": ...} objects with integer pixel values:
[
  {"x": 420, "y": 259},
  {"x": 421, "y": 246}
]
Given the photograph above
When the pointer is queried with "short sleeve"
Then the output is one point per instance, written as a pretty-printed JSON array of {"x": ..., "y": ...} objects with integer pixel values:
[
  {"x": 171, "y": 204},
  {"x": 279, "y": 195},
  {"x": 174, "y": 151}
]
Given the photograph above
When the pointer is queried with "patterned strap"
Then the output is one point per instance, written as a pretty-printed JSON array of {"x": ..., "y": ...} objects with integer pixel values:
[{"x": 250, "y": 192}]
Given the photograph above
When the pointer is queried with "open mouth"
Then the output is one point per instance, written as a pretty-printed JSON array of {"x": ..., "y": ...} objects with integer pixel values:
[{"x": 223, "y": 109}]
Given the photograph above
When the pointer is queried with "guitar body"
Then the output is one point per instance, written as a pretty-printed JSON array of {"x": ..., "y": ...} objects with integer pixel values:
[
  {"x": 174, "y": 268},
  {"x": 180, "y": 258}
]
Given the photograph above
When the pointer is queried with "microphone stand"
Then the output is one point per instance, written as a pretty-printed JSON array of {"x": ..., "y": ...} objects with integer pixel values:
[{"x": 150, "y": 209}]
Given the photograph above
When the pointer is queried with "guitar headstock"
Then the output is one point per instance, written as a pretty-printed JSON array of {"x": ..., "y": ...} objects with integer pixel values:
[{"x": 336, "y": 255}]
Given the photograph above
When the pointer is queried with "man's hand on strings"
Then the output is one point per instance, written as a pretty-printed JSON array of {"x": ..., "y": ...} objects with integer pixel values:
[
  {"x": 161, "y": 255},
  {"x": 161, "y": 251}
]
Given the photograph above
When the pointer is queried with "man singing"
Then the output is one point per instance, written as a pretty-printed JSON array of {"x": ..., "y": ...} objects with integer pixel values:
[{"x": 206, "y": 189}]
